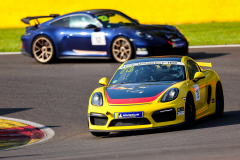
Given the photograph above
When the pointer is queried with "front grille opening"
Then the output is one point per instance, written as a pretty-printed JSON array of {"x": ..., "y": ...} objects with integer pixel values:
[
  {"x": 129, "y": 122},
  {"x": 164, "y": 115},
  {"x": 101, "y": 121}
]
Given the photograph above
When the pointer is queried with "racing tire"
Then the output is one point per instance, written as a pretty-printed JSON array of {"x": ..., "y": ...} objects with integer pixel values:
[
  {"x": 100, "y": 134},
  {"x": 186, "y": 51},
  {"x": 122, "y": 49},
  {"x": 43, "y": 50},
  {"x": 219, "y": 100},
  {"x": 190, "y": 112}
]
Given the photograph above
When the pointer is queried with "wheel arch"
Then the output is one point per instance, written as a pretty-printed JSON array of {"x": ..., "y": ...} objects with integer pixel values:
[
  {"x": 219, "y": 82},
  {"x": 190, "y": 95},
  {"x": 190, "y": 122},
  {"x": 219, "y": 109}
]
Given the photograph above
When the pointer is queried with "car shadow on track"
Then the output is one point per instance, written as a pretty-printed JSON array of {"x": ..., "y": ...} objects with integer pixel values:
[
  {"x": 229, "y": 118},
  {"x": 204, "y": 55},
  {"x": 20, "y": 156},
  {"x": 4, "y": 111},
  {"x": 86, "y": 61},
  {"x": 194, "y": 55}
]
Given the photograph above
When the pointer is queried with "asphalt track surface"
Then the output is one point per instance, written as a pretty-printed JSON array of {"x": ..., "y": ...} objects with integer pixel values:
[{"x": 56, "y": 95}]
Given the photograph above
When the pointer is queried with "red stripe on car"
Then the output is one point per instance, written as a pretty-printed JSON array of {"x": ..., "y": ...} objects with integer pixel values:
[{"x": 132, "y": 100}]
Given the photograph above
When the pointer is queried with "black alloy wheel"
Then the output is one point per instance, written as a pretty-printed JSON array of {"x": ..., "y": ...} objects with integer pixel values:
[
  {"x": 219, "y": 100},
  {"x": 190, "y": 112}
]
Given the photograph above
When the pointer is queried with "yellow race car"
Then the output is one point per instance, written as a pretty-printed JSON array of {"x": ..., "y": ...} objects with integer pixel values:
[{"x": 155, "y": 92}]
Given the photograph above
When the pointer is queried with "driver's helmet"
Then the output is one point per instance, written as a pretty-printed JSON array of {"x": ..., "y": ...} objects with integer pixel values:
[
  {"x": 145, "y": 72},
  {"x": 176, "y": 71}
]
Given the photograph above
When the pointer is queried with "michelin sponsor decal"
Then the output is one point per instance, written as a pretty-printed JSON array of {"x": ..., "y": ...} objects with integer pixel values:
[{"x": 119, "y": 115}]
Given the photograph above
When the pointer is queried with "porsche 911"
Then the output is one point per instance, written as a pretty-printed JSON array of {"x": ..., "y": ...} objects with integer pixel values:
[{"x": 99, "y": 33}]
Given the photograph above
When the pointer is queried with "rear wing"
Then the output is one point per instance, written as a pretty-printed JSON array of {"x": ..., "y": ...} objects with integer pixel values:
[
  {"x": 204, "y": 64},
  {"x": 28, "y": 19}
]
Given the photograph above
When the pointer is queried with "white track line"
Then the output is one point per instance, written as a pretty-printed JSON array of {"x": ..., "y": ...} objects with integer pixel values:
[
  {"x": 215, "y": 46},
  {"x": 9, "y": 53},
  {"x": 48, "y": 132}
]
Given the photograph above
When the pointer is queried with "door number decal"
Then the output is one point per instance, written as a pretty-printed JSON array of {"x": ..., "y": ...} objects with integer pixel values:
[
  {"x": 98, "y": 38},
  {"x": 197, "y": 92}
]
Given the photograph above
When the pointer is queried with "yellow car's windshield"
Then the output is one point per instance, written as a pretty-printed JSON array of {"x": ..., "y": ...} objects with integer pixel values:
[{"x": 138, "y": 73}]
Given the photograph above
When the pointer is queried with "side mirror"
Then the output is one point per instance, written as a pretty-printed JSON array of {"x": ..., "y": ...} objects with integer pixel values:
[
  {"x": 91, "y": 26},
  {"x": 103, "y": 81},
  {"x": 199, "y": 75}
]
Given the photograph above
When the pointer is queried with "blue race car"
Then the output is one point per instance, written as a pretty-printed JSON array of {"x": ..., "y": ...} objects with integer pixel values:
[{"x": 99, "y": 33}]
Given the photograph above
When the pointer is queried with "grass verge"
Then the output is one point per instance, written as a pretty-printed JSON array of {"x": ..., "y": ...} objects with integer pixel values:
[
  {"x": 215, "y": 33},
  {"x": 10, "y": 39}
]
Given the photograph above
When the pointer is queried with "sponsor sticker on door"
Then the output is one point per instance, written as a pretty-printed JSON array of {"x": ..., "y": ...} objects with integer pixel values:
[
  {"x": 197, "y": 92},
  {"x": 98, "y": 38}
]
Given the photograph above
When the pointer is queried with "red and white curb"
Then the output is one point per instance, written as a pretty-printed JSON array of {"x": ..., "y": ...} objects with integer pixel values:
[{"x": 48, "y": 132}]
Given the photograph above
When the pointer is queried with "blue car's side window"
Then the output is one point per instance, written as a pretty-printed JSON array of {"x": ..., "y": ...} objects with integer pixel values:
[
  {"x": 81, "y": 21},
  {"x": 64, "y": 22}
]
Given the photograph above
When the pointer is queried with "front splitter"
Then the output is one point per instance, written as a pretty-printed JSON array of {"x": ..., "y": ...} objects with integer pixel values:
[{"x": 142, "y": 129}]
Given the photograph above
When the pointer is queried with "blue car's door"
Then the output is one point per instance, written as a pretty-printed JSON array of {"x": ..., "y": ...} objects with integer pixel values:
[{"x": 82, "y": 41}]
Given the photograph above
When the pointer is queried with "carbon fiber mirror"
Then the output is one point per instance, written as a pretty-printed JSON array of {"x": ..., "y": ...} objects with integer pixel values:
[{"x": 91, "y": 26}]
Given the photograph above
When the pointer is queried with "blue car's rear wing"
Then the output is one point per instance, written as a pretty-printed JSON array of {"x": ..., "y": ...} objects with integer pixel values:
[{"x": 28, "y": 19}]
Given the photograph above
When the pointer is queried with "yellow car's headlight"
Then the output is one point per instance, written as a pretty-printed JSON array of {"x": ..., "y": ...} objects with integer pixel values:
[
  {"x": 97, "y": 99},
  {"x": 170, "y": 95}
]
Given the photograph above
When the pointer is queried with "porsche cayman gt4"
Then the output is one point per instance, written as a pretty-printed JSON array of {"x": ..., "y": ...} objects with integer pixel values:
[
  {"x": 99, "y": 33},
  {"x": 155, "y": 92}
]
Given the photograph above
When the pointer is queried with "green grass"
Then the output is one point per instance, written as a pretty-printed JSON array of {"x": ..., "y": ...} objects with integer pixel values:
[
  {"x": 10, "y": 39},
  {"x": 214, "y": 33}
]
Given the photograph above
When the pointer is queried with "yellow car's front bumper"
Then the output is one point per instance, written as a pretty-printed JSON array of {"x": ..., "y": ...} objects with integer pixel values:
[{"x": 155, "y": 115}]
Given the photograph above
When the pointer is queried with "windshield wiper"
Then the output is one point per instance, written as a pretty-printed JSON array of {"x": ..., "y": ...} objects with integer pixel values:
[
  {"x": 124, "y": 82},
  {"x": 151, "y": 81}
]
